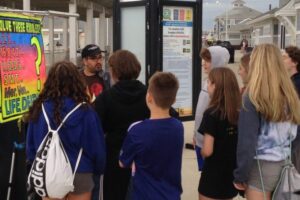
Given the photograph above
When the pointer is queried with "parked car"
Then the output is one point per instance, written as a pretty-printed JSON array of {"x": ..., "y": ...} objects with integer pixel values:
[{"x": 229, "y": 47}]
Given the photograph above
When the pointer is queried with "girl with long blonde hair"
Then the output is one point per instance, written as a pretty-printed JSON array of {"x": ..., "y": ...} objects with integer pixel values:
[{"x": 268, "y": 120}]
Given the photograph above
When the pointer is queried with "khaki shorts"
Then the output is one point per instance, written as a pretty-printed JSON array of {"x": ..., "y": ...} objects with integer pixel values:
[
  {"x": 83, "y": 182},
  {"x": 270, "y": 173}
]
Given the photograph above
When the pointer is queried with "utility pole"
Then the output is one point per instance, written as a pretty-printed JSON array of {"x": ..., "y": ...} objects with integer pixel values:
[{"x": 226, "y": 31}]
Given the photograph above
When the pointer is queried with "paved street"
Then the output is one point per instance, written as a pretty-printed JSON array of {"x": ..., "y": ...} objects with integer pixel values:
[{"x": 190, "y": 174}]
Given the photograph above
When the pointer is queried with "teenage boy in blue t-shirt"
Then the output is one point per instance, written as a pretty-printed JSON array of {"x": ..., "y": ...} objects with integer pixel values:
[{"x": 154, "y": 146}]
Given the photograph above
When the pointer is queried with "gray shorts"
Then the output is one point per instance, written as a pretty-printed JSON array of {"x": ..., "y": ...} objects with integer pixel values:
[
  {"x": 270, "y": 174},
  {"x": 83, "y": 182}
]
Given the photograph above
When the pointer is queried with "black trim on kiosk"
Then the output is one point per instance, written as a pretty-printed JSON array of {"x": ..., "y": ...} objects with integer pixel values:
[
  {"x": 117, "y": 5},
  {"x": 117, "y": 39}
]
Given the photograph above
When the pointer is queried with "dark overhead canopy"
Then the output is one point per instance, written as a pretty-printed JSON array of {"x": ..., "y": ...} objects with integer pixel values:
[
  {"x": 105, "y": 3},
  {"x": 62, "y": 5}
]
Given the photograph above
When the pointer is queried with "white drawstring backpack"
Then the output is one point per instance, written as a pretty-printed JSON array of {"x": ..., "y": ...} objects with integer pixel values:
[{"x": 51, "y": 173}]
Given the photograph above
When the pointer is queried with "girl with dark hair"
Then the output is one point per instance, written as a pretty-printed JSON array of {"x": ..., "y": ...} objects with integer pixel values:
[
  {"x": 212, "y": 57},
  {"x": 219, "y": 129},
  {"x": 64, "y": 89}
]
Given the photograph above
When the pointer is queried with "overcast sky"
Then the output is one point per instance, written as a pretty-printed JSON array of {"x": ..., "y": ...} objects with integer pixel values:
[{"x": 211, "y": 9}]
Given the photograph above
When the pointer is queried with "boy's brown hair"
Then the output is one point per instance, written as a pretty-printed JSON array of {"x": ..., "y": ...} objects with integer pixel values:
[
  {"x": 205, "y": 55},
  {"x": 124, "y": 65},
  {"x": 294, "y": 54},
  {"x": 163, "y": 86}
]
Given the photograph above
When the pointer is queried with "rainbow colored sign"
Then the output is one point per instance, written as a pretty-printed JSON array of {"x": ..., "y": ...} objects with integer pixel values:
[{"x": 22, "y": 64}]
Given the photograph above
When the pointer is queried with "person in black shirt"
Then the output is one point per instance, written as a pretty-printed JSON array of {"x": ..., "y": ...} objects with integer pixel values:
[
  {"x": 291, "y": 59},
  {"x": 118, "y": 107},
  {"x": 219, "y": 127}
]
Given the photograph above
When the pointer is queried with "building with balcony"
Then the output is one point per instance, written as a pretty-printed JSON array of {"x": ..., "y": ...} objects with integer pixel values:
[
  {"x": 280, "y": 26},
  {"x": 229, "y": 23}
]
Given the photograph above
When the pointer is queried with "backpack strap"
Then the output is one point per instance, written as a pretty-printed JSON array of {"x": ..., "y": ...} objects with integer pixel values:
[
  {"x": 77, "y": 161},
  {"x": 47, "y": 119},
  {"x": 261, "y": 178},
  {"x": 63, "y": 121},
  {"x": 66, "y": 117}
]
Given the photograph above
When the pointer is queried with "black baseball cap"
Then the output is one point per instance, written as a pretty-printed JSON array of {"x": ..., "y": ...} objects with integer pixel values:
[{"x": 91, "y": 50}]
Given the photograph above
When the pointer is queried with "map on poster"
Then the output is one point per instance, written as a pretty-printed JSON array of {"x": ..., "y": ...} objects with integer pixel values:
[
  {"x": 178, "y": 53},
  {"x": 22, "y": 64}
]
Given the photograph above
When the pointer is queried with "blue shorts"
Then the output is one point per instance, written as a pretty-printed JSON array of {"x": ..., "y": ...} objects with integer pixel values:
[{"x": 200, "y": 159}]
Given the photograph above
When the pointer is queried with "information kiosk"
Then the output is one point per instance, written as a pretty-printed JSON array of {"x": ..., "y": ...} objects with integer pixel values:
[{"x": 165, "y": 35}]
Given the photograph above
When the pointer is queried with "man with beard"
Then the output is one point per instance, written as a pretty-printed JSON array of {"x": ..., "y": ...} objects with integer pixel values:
[{"x": 93, "y": 73}]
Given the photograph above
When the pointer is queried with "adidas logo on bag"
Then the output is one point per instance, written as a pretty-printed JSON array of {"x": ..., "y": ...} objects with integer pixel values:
[
  {"x": 51, "y": 173},
  {"x": 38, "y": 168}
]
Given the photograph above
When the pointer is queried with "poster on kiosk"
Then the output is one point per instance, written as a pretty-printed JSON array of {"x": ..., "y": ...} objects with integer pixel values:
[
  {"x": 22, "y": 64},
  {"x": 177, "y": 49}
]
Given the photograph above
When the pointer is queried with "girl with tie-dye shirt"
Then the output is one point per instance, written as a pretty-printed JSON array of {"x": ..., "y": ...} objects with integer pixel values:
[{"x": 268, "y": 120}]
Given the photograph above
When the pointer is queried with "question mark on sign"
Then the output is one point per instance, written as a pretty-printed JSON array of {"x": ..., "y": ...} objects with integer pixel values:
[{"x": 35, "y": 42}]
